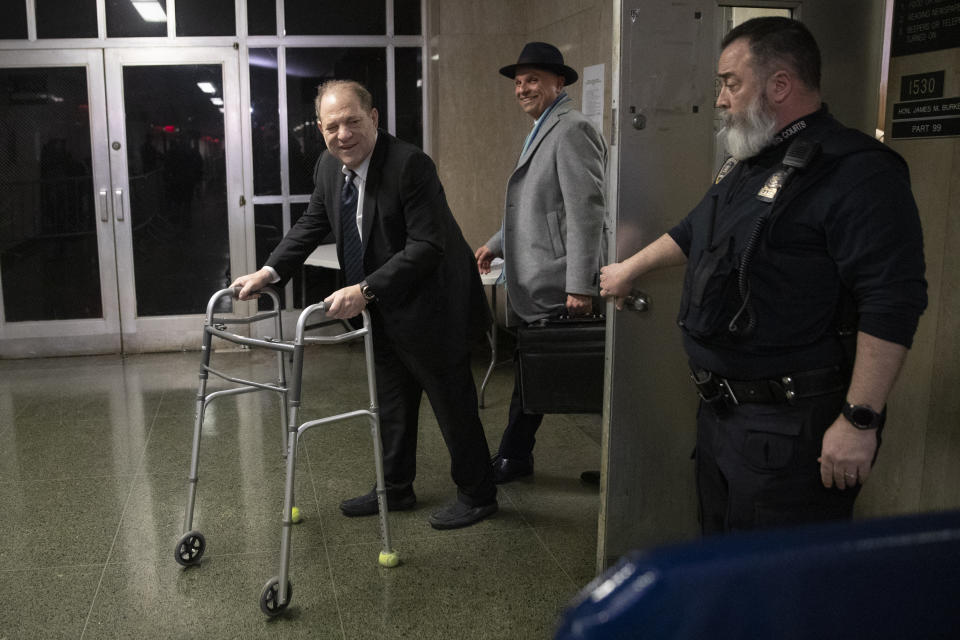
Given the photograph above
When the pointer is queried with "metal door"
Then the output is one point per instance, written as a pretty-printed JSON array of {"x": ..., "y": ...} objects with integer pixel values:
[
  {"x": 664, "y": 116},
  {"x": 663, "y": 160}
]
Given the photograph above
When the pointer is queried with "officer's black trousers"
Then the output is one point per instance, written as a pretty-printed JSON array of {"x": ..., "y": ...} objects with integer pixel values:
[{"x": 757, "y": 466}]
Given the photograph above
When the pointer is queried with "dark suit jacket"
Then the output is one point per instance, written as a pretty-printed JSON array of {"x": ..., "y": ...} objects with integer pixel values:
[{"x": 415, "y": 257}]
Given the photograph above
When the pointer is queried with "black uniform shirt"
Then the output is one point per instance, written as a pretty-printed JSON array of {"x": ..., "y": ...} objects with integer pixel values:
[{"x": 845, "y": 228}]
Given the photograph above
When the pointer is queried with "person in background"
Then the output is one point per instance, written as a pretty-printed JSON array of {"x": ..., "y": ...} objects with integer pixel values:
[{"x": 552, "y": 233}]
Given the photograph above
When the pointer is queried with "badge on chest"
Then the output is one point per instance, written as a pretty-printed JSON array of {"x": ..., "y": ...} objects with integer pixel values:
[{"x": 768, "y": 192}]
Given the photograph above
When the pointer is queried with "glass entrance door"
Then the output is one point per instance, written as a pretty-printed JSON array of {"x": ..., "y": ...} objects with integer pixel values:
[
  {"x": 57, "y": 258},
  {"x": 120, "y": 197},
  {"x": 177, "y": 184}
]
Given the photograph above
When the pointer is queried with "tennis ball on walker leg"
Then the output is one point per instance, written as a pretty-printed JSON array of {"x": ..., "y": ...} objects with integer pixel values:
[
  {"x": 389, "y": 559},
  {"x": 295, "y": 515}
]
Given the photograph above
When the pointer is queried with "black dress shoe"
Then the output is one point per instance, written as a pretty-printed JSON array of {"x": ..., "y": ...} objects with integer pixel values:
[
  {"x": 366, "y": 505},
  {"x": 507, "y": 469},
  {"x": 457, "y": 514}
]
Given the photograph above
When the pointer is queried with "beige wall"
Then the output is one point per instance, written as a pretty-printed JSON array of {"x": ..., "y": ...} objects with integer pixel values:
[
  {"x": 477, "y": 128},
  {"x": 918, "y": 468},
  {"x": 844, "y": 84}
]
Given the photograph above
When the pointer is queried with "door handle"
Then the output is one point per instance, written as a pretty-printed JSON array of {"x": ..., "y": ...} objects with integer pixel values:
[
  {"x": 118, "y": 204},
  {"x": 637, "y": 301},
  {"x": 104, "y": 213}
]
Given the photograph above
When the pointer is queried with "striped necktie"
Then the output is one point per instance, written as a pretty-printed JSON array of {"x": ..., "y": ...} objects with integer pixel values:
[{"x": 352, "y": 245}]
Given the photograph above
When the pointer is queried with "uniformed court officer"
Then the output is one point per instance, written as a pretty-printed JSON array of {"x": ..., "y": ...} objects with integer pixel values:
[{"x": 804, "y": 285}]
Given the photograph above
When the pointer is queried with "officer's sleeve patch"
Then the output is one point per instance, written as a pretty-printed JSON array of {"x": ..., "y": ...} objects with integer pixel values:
[{"x": 725, "y": 169}]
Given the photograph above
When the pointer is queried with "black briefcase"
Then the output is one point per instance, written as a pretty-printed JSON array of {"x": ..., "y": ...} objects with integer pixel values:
[{"x": 560, "y": 365}]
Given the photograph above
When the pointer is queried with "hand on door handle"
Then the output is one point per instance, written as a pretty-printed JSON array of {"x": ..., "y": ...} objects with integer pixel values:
[{"x": 637, "y": 301}]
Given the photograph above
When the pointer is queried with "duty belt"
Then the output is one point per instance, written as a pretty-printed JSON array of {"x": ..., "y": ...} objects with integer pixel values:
[{"x": 716, "y": 390}]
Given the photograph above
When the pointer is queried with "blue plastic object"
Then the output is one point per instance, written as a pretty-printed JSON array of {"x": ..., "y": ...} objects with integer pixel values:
[{"x": 896, "y": 578}]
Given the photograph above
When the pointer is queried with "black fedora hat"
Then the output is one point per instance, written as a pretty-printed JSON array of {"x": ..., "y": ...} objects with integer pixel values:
[{"x": 543, "y": 56}]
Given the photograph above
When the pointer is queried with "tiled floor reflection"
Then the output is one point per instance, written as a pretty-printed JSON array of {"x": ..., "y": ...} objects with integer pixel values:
[{"x": 94, "y": 453}]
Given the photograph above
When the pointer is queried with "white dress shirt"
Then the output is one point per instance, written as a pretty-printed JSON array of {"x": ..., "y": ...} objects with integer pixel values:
[{"x": 360, "y": 179}]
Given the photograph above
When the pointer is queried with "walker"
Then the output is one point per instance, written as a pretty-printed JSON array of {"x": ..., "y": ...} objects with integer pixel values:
[{"x": 277, "y": 592}]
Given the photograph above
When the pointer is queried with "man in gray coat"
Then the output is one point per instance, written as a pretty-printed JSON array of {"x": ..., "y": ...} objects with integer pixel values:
[{"x": 552, "y": 225}]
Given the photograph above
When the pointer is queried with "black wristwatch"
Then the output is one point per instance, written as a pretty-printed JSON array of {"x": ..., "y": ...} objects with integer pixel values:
[
  {"x": 368, "y": 293},
  {"x": 862, "y": 416}
]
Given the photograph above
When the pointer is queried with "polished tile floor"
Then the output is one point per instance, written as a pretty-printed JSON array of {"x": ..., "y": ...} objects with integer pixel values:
[{"x": 94, "y": 453}]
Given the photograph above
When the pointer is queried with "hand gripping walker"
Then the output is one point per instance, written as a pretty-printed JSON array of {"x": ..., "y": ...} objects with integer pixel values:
[{"x": 277, "y": 592}]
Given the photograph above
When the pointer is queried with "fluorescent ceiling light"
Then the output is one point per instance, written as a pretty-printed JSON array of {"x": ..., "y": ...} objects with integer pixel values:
[
  {"x": 206, "y": 87},
  {"x": 149, "y": 10},
  {"x": 217, "y": 101}
]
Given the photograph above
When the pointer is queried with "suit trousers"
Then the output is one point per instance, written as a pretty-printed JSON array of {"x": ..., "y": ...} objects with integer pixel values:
[
  {"x": 520, "y": 435},
  {"x": 756, "y": 466},
  {"x": 402, "y": 380}
]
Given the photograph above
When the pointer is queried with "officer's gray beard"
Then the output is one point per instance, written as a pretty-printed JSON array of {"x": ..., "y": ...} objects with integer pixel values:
[{"x": 752, "y": 132}]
